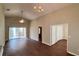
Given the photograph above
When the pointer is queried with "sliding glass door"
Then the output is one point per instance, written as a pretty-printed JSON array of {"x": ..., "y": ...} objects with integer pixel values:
[{"x": 17, "y": 32}]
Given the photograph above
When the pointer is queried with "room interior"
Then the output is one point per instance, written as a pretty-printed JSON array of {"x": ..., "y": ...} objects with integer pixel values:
[{"x": 39, "y": 29}]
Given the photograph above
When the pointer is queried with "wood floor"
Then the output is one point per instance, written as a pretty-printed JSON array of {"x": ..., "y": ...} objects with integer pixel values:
[{"x": 28, "y": 47}]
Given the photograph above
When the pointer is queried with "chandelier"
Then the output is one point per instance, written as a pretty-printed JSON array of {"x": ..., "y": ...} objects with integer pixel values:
[{"x": 38, "y": 8}]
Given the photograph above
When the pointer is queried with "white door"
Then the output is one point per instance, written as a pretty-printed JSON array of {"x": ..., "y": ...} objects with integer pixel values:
[
  {"x": 54, "y": 34},
  {"x": 57, "y": 33}
]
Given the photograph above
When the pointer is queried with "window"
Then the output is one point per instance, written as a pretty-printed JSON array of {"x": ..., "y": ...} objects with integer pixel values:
[{"x": 17, "y": 32}]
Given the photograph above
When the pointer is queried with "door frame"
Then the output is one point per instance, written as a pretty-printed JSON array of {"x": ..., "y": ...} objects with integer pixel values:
[{"x": 40, "y": 35}]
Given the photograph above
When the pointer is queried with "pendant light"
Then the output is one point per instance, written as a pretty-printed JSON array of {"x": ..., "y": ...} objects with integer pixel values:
[{"x": 22, "y": 20}]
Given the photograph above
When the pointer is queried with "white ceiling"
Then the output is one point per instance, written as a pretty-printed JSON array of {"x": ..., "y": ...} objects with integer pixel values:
[{"x": 29, "y": 12}]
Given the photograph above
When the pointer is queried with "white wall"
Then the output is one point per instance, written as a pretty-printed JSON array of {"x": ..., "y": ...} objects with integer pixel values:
[
  {"x": 34, "y": 31},
  {"x": 68, "y": 15},
  {"x": 2, "y": 27}
]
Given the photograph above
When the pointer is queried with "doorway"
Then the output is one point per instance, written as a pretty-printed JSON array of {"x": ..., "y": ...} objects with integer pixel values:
[
  {"x": 59, "y": 32},
  {"x": 17, "y": 32},
  {"x": 40, "y": 33}
]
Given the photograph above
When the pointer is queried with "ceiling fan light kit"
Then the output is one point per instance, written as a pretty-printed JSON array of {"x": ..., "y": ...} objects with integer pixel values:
[{"x": 22, "y": 20}]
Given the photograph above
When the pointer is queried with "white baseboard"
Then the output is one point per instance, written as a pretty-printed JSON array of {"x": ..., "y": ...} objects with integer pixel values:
[
  {"x": 1, "y": 52},
  {"x": 4, "y": 44},
  {"x": 2, "y": 49},
  {"x": 72, "y": 53},
  {"x": 46, "y": 43},
  {"x": 34, "y": 39}
]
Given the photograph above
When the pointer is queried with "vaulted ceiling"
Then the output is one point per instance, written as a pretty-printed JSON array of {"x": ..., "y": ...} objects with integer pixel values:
[{"x": 29, "y": 12}]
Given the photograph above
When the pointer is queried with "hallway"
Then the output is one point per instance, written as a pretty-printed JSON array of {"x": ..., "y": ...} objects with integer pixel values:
[{"x": 23, "y": 47}]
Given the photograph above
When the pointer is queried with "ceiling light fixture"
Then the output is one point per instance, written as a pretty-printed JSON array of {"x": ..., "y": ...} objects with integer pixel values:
[
  {"x": 22, "y": 20},
  {"x": 38, "y": 8}
]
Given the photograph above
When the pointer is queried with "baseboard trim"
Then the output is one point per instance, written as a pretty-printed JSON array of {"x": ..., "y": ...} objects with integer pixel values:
[
  {"x": 46, "y": 43},
  {"x": 72, "y": 53},
  {"x": 1, "y": 51}
]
